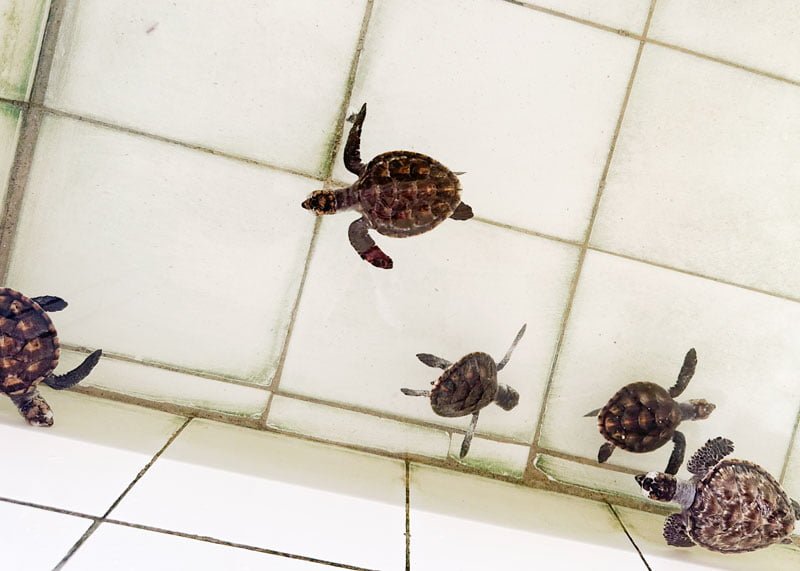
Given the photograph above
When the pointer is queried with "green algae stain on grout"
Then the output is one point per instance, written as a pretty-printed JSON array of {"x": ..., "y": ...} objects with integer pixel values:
[{"x": 21, "y": 30}]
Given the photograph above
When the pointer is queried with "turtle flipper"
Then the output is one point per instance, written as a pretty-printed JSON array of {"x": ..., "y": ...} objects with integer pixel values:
[
  {"x": 796, "y": 507},
  {"x": 415, "y": 392},
  {"x": 33, "y": 408},
  {"x": 507, "y": 356},
  {"x": 433, "y": 360},
  {"x": 605, "y": 452},
  {"x": 676, "y": 458},
  {"x": 76, "y": 375},
  {"x": 366, "y": 247},
  {"x": 468, "y": 436},
  {"x": 710, "y": 454},
  {"x": 594, "y": 412},
  {"x": 675, "y": 532},
  {"x": 686, "y": 374},
  {"x": 50, "y": 302},
  {"x": 462, "y": 212},
  {"x": 352, "y": 149}
]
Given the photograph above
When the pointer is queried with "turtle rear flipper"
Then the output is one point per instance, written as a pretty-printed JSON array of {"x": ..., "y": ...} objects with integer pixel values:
[
  {"x": 33, "y": 408},
  {"x": 433, "y": 360},
  {"x": 352, "y": 149},
  {"x": 605, "y": 452},
  {"x": 507, "y": 356},
  {"x": 676, "y": 458},
  {"x": 709, "y": 455},
  {"x": 675, "y": 532},
  {"x": 462, "y": 212},
  {"x": 50, "y": 302},
  {"x": 686, "y": 374},
  {"x": 76, "y": 375},
  {"x": 594, "y": 412}
]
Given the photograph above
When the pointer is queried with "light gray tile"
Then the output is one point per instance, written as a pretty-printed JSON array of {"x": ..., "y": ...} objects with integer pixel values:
[{"x": 21, "y": 28}]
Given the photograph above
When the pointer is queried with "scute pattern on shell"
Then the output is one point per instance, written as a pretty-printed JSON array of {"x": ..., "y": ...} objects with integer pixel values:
[
  {"x": 404, "y": 194},
  {"x": 468, "y": 385},
  {"x": 29, "y": 348},
  {"x": 640, "y": 417},
  {"x": 738, "y": 507}
]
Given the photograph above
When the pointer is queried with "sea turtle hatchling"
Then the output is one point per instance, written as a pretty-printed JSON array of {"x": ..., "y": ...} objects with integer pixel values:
[
  {"x": 728, "y": 506},
  {"x": 399, "y": 194},
  {"x": 467, "y": 386},
  {"x": 29, "y": 352},
  {"x": 642, "y": 417}
]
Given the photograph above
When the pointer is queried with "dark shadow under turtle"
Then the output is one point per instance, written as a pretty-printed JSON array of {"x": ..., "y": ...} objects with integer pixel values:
[
  {"x": 29, "y": 352},
  {"x": 642, "y": 417},
  {"x": 467, "y": 386},
  {"x": 399, "y": 194}
]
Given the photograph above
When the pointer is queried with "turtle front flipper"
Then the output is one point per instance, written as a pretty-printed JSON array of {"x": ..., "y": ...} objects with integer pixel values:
[
  {"x": 675, "y": 532},
  {"x": 796, "y": 507},
  {"x": 709, "y": 455},
  {"x": 686, "y": 374},
  {"x": 358, "y": 233},
  {"x": 676, "y": 458},
  {"x": 415, "y": 392},
  {"x": 33, "y": 408},
  {"x": 76, "y": 375},
  {"x": 462, "y": 212},
  {"x": 352, "y": 149},
  {"x": 468, "y": 436},
  {"x": 50, "y": 302},
  {"x": 507, "y": 356},
  {"x": 605, "y": 452},
  {"x": 433, "y": 360}
]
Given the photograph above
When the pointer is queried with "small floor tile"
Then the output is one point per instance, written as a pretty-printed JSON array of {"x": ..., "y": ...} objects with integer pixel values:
[{"x": 21, "y": 30}]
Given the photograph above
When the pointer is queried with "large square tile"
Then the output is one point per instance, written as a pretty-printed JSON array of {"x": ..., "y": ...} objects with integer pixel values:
[
  {"x": 263, "y": 80},
  {"x": 87, "y": 458},
  {"x": 629, "y": 15},
  {"x": 705, "y": 173},
  {"x": 635, "y": 322},
  {"x": 462, "y": 522},
  {"x": 21, "y": 29},
  {"x": 275, "y": 492},
  {"x": 36, "y": 539},
  {"x": 526, "y": 106},
  {"x": 464, "y": 287},
  {"x": 755, "y": 34},
  {"x": 165, "y": 254},
  {"x": 10, "y": 120},
  {"x": 119, "y": 547}
]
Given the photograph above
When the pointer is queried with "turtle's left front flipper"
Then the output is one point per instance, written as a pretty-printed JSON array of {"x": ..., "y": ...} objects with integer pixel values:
[
  {"x": 50, "y": 302},
  {"x": 76, "y": 375}
]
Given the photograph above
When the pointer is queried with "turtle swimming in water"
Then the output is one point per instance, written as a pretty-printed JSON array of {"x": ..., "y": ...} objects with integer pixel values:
[
  {"x": 467, "y": 386},
  {"x": 29, "y": 352},
  {"x": 399, "y": 194},
  {"x": 642, "y": 417},
  {"x": 729, "y": 506}
]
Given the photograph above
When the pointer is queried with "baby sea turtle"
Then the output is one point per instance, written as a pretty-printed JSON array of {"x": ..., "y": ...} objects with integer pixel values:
[
  {"x": 29, "y": 353},
  {"x": 467, "y": 386},
  {"x": 642, "y": 417},
  {"x": 398, "y": 193},
  {"x": 729, "y": 506}
]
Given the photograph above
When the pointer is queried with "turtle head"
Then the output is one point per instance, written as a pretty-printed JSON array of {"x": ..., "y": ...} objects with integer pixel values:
[
  {"x": 697, "y": 409},
  {"x": 321, "y": 202},
  {"x": 658, "y": 486},
  {"x": 506, "y": 397}
]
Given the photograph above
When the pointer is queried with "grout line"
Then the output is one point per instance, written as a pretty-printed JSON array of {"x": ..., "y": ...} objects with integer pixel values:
[
  {"x": 527, "y": 231},
  {"x": 584, "y": 248},
  {"x": 138, "y": 477},
  {"x": 571, "y": 18},
  {"x": 47, "y": 508},
  {"x": 630, "y": 538},
  {"x": 591, "y": 462},
  {"x": 789, "y": 450},
  {"x": 15, "y": 103},
  {"x": 408, "y": 515}
]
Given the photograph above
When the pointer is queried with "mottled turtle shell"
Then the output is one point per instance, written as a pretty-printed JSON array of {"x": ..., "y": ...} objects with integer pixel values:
[
  {"x": 739, "y": 506},
  {"x": 466, "y": 386},
  {"x": 28, "y": 343},
  {"x": 404, "y": 194},
  {"x": 640, "y": 417}
]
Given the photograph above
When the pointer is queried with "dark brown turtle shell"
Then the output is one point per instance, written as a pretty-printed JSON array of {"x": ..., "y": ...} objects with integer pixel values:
[
  {"x": 29, "y": 348},
  {"x": 739, "y": 506},
  {"x": 403, "y": 193},
  {"x": 466, "y": 386},
  {"x": 640, "y": 417}
]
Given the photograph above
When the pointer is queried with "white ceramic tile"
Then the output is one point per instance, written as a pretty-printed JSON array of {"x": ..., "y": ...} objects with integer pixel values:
[
  {"x": 526, "y": 106},
  {"x": 119, "y": 547},
  {"x": 36, "y": 539},
  {"x": 21, "y": 29},
  {"x": 264, "y": 80},
  {"x": 165, "y": 254},
  {"x": 590, "y": 476},
  {"x": 275, "y": 492},
  {"x": 705, "y": 173},
  {"x": 631, "y": 321},
  {"x": 10, "y": 119},
  {"x": 462, "y": 522},
  {"x": 760, "y": 35},
  {"x": 645, "y": 529},
  {"x": 491, "y": 456},
  {"x": 85, "y": 461},
  {"x": 464, "y": 287},
  {"x": 344, "y": 426},
  {"x": 164, "y": 386},
  {"x": 627, "y": 15}
]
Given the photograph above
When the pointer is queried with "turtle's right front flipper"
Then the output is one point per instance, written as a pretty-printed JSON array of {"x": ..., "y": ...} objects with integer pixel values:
[
  {"x": 433, "y": 361},
  {"x": 709, "y": 455},
  {"x": 415, "y": 392},
  {"x": 76, "y": 375},
  {"x": 50, "y": 302},
  {"x": 358, "y": 233}
]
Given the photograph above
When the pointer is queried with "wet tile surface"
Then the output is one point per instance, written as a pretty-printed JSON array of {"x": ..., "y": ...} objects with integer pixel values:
[{"x": 21, "y": 29}]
